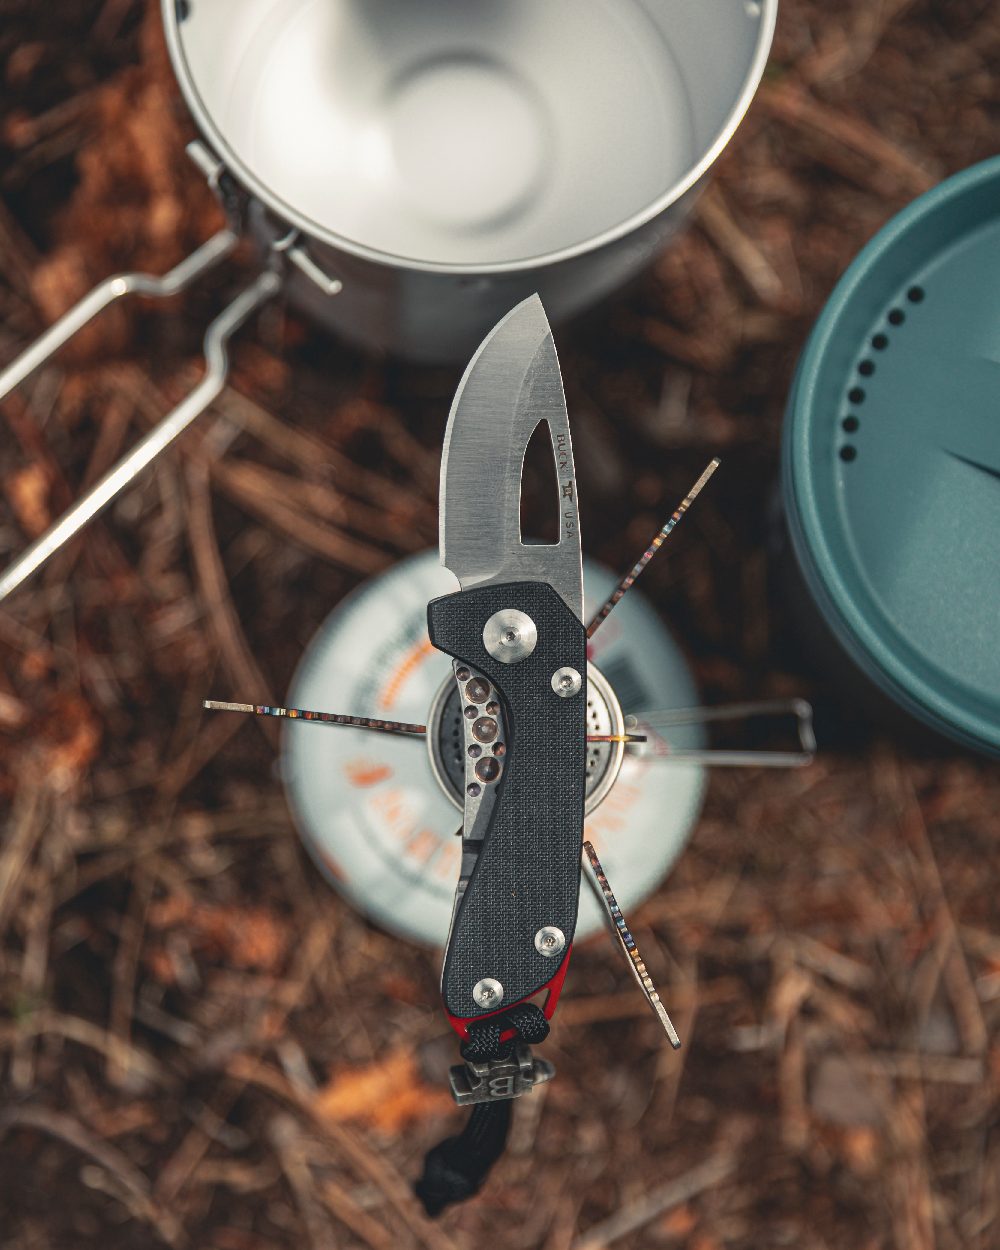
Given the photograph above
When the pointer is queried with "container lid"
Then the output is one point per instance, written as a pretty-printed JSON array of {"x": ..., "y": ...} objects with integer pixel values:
[{"x": 891, "y": 459}]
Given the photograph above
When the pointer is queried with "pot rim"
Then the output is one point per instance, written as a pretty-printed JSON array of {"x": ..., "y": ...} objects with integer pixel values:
[
  {"x": 862, "y": 638},
  {"x": 312, "y": 229}
]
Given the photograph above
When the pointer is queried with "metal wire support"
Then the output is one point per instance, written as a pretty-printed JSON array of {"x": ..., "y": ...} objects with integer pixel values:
[
  {"x": 627, "y": 582},
  {"x": 174, "y": 423},
  {"x": 360, "y": 722},
  {"x": 107, "y": 292},
  {"x": 599, "y": 880},
  {"x": 656, "y": 722},
  {"x": 317, "y": 718}
]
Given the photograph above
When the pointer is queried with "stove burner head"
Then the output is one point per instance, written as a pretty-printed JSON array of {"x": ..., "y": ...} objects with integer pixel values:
[{"x": 446, "y": 737}]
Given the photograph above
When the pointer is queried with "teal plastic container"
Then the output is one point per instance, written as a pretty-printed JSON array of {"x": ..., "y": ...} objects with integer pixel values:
[{"x": 891, "y": 459}]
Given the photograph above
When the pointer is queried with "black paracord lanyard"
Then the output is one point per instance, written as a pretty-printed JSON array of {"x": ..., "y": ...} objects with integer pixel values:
[{"x": 456, "y": 1168}]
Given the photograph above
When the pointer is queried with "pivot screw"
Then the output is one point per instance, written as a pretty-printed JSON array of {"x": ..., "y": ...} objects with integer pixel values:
[
  {"x": 510, "y": 635},
  {"x": 566, "y": 682},
  {"x": 550, "y": 941},
  {"x": 488, "y": 992}
]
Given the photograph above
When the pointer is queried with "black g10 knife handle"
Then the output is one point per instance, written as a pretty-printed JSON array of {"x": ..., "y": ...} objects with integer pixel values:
[{"x": 528, "y": 873}]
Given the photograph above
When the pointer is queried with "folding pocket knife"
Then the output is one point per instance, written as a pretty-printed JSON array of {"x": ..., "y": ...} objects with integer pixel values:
[{"x": 517, "y": 638}]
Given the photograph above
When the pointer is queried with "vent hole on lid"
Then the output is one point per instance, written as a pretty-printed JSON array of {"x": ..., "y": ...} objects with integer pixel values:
[
  {"x": 896, "y": 316},
  {"x": 856, "y": 395},
  {"x": 850, "y": 424},
  {"x": 866, "y": 368},
  {"x": 880, "y": 342},
  {"x": 848, "y": 453},
  {"x": 915, "y": 294}
]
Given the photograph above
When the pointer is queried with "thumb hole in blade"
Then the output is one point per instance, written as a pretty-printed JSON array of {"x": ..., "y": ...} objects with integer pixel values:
[{"x": 539, "y": 505}]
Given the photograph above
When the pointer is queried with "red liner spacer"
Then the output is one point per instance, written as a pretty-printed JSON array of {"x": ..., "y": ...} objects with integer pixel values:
[{"x": 552, "y": 989}]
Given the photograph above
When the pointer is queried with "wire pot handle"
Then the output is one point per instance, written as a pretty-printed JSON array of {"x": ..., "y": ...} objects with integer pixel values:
[
  {"x": 659, "y": 722},
  {"x": 206, "y": 257},
  {"x": 288, "y": 248},
  {"x": 217, "y": 336}
]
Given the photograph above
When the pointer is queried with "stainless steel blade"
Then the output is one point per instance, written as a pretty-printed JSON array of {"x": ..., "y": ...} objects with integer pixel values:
[{"x": 512, "y": 383}]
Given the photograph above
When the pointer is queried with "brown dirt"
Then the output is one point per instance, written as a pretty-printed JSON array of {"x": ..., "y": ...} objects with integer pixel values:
[{"x": 201, "y": 1045}]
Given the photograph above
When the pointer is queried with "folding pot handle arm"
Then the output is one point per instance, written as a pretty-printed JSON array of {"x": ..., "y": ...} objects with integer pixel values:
[
  {"x": 178, "y": 279},
  {"x": 217, "y": 336}
]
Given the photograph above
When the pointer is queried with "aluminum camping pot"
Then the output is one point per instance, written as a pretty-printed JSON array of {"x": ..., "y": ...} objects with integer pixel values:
[
  {"x": 411, "y": 171},
  {"x": 446, "y": 159}
]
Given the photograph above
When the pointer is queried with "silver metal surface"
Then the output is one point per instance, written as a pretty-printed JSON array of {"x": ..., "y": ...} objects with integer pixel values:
[
  {"x": 483, "y": 743},
  {"x": 566, "y": 682},
  {"x": 602, "y": 888},
  {"x": 293, "y": 246},
  {"x": 60, "y": 332},
  {"x": 510, "y": 635},
  {"x": 461, "y": 134},
  {"x": 446, "y": 159},
  {"x": 550, "y": 941},
  {"x": 446, "y": 745},
  {"x": 211, "y": 167},
  {"x": 512, "y": 383},
  {"x": 604, "y": 759},
  {"x": 659, "y": 723},
  {"x": 629, "y": 580},
  {"x": 441, "y": 161},
  {"x": 147, "y": 449},
  {"x": 309, "y": 717},
  {"x": 488, "y": 992}
]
